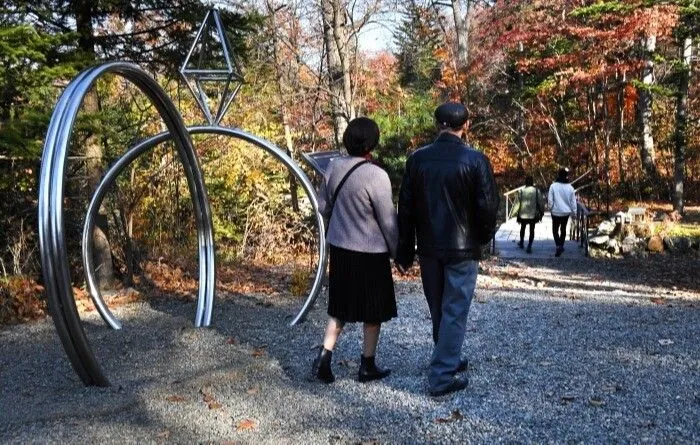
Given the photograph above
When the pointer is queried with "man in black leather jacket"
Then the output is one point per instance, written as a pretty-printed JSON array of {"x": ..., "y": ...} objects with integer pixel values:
[{"x": 448, "y": 201}]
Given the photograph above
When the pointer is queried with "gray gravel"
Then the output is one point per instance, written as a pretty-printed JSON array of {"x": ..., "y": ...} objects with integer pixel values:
[{"x": 546, "y": 365}]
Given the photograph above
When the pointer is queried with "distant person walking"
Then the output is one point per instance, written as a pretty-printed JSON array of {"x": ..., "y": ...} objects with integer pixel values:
[
  {"x": 362, "y": 232},
  {"x": 562, "y": 204},
  {"x": 448, "y": 202},
  {"x": 529, "y": 210}
]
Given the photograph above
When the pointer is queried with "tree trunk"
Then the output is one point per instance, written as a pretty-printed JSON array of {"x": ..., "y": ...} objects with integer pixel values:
[
  {"x": 84, "y": 12},
  {"x": 646, "y": 148},
  {"x": 620, "y": 129},
  {"x": 681, "y": 125},
  {"x": 336, "y": 35},
  {"x": 282, "y": 87},
  {"x": 462, "y": 31}
]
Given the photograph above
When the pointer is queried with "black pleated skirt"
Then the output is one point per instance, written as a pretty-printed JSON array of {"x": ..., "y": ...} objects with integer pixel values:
[{"x": 360, "y": 287}]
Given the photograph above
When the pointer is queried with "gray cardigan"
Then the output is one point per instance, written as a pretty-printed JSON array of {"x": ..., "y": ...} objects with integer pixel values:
[{"x": 363, "y": 218}]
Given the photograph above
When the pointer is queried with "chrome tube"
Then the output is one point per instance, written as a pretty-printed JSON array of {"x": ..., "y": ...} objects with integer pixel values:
[
  {"x": 54, "y": 257},
  {"x": 51, "y": 233},
  {"x": 148, "y": 144}
]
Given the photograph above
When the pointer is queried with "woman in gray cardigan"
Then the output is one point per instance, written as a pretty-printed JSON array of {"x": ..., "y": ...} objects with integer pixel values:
[{"x": 362, "y": 233}]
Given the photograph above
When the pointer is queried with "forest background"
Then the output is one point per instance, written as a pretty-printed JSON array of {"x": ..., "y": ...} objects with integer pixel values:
[{"x": 605, "y": 87}]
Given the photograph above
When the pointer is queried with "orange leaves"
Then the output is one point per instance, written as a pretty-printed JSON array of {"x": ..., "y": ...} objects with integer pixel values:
[
  {"x": 20, "y": 300},
  {"x": 245, "y": 425}
]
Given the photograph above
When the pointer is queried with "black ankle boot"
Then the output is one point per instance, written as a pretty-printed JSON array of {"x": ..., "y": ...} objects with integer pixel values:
[
  {"x": 369, "y": 370},
  {"x": 321, "y": 368}
]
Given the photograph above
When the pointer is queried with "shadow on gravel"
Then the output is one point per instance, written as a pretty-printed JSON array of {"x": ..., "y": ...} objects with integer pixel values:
[
  {"x": 661, "y": 271},
  {"x": 543, "y": 368}
]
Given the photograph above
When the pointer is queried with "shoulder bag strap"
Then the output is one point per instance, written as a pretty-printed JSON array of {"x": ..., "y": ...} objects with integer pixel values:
[{"x": 342, "y": 182}]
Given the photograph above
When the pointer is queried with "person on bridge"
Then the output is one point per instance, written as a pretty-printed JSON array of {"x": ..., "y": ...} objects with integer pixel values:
[
  {"x": 355, "y": 197},
  {"x": 562, "y": 204},
  {"x": 529, "y": 210},
  {"x": 449, "y": 202}
]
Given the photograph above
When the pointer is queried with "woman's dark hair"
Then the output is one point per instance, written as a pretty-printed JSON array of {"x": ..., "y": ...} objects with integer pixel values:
[
  {"x": 529, "y": 181},
  {"x": 361, "y": 136},
  {"x": 563, "y": 175}
]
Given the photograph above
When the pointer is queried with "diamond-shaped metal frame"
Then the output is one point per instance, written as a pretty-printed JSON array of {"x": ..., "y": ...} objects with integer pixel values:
[{"x": 195, "y": 76}]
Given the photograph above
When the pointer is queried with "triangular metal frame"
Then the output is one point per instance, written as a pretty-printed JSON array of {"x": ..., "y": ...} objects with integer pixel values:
[{"x": 194, "y": 77}]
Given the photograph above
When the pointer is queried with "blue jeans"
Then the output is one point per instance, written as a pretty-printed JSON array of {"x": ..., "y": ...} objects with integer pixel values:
[{"x": 449, "y": 288}]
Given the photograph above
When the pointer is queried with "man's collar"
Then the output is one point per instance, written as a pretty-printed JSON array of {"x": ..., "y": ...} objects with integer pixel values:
[{"x": 449, "y": 137}]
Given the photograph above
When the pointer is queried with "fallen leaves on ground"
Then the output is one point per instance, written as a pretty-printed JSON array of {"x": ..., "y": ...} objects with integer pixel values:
[
  {"x": 208, "y": 398},
  {"x": 258, "y": 352},
  {"x": 20, "y": 300},
  {"x": 175, "y": 398},
  {"x": 594, "y": 401},
  {"x": 454, "y": 416},
  {"x": 568, "y": 398},
  {"x": 245, "y": 424}
]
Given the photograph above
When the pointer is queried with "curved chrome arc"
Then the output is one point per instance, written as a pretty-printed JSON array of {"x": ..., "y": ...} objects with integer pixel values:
[
  {"x": 52, "y": 239},
  {"x": 146, "y": 145},
  {"x": 49, "y": 258}
]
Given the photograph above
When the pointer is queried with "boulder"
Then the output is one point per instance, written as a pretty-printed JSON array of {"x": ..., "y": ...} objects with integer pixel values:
[
  {"x": 599, "y": 240},
  {"x": 655, "y": 244},
  {"x": 630, "y": 245},
  {"x": 677, "y": 243},
  {"x": 669, "y": 243},
  {"x": 607, "y": 227},
  {"x": 614, "y": 246},
  {"x": 683, "y": 244},
  {"x": 695, "y": 243}
]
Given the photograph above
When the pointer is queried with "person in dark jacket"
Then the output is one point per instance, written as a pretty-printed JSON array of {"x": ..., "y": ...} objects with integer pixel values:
[{"x": 448, "y": 201}]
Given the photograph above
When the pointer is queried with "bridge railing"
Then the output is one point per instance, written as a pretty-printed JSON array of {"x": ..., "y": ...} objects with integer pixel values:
[
  {"x": 580, "y": 225},
  {"x": 510, "y": 198}
]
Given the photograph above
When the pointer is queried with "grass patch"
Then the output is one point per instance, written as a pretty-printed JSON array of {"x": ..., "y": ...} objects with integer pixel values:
[{"x": 685, "y": 230}]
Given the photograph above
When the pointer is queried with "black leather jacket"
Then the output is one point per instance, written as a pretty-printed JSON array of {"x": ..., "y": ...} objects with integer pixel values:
[{"x": 449, "y": 200}]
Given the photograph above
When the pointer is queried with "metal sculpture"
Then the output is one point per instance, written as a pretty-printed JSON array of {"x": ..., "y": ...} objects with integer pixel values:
[{"x": 54, "y": 256}]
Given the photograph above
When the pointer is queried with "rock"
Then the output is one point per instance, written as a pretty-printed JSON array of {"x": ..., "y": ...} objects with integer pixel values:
[
  {"x": 655, "y": 244},
  {"x": 695, "y": 243},
  {"x": 599, "y": 240},
  {"x": 677, "y": 243},
  {"x": 669, "y": 243},
  {"x": 630, "y": 246},
  {"x": 614, "y": 246},
  {"x": 606, "y": 228}
]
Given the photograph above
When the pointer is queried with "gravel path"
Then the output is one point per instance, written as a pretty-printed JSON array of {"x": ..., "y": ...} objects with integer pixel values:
[{"x": 549, "y": 363}]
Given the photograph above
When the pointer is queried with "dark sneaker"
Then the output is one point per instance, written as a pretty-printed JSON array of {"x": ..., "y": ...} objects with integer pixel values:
[
  {"x": 521, "y": 245},
  {"x": 457, "y": 384},
  {"x": 559, "y": 251}
]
